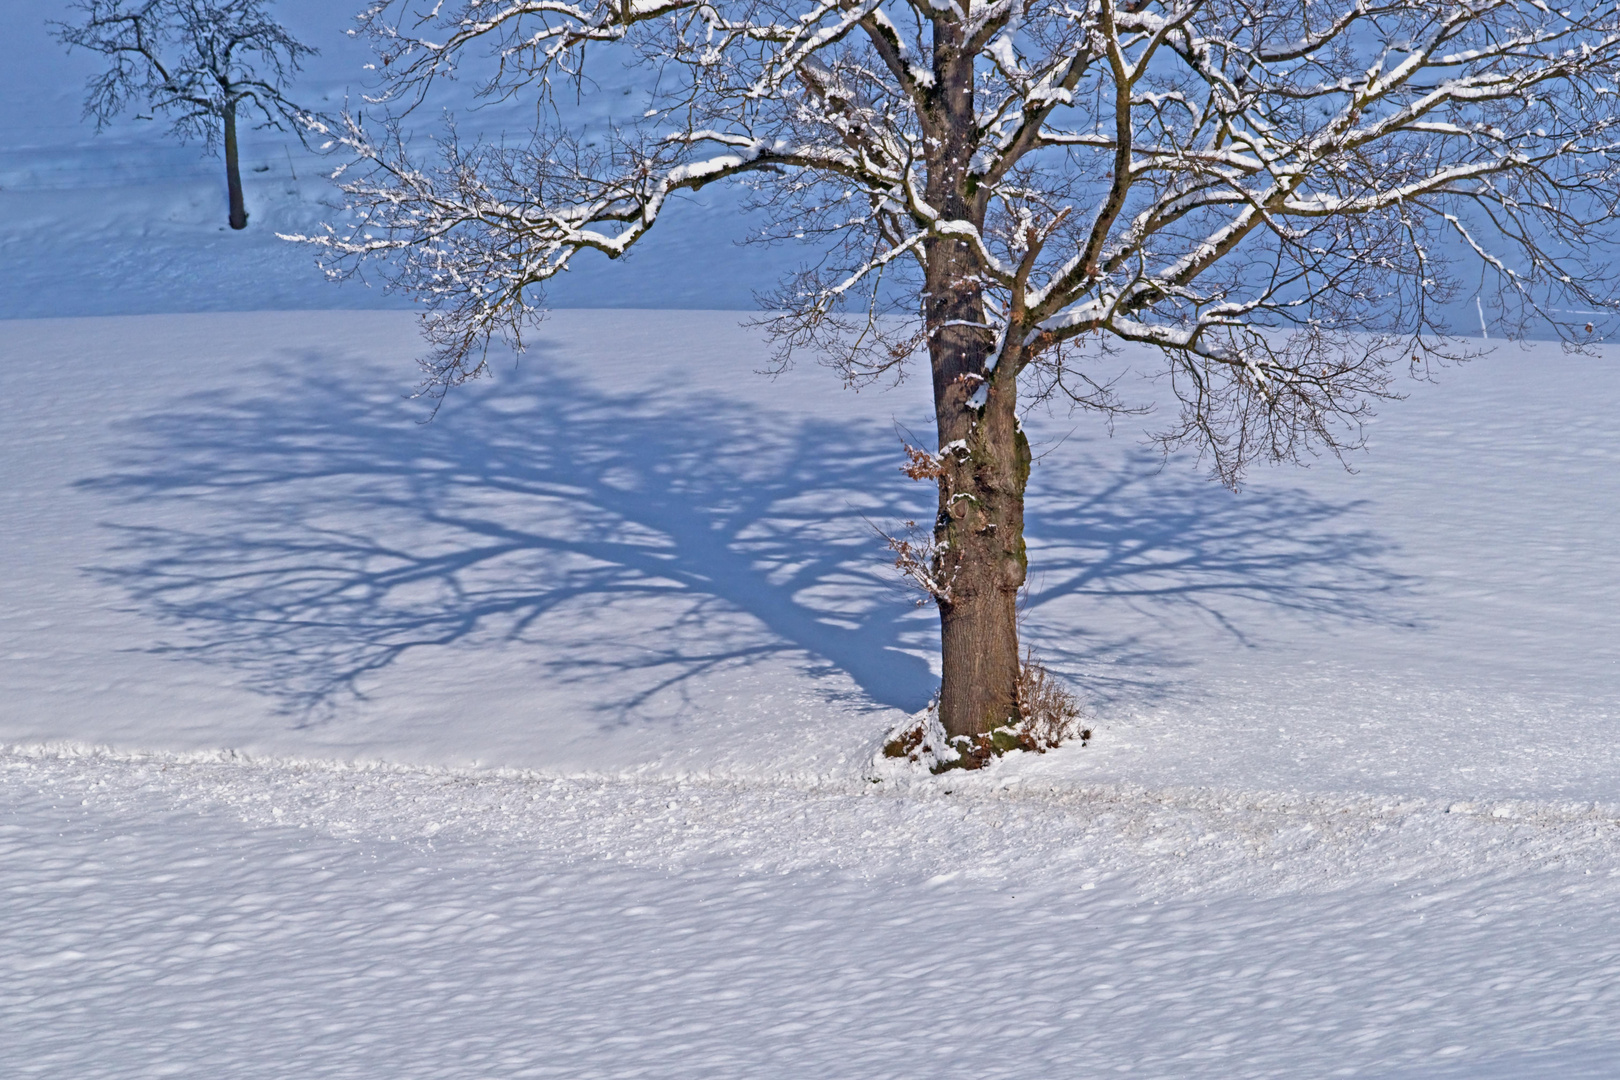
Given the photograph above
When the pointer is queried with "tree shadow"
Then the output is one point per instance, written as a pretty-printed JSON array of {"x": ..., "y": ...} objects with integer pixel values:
[
  {"x": 310, "y": 533},
  {"x": 1159, "y": 541}
]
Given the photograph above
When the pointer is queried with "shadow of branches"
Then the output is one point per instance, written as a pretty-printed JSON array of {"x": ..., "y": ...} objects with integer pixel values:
[
  {"x": 308, "y": 533},
  {"x": 1163, "y": 544}
]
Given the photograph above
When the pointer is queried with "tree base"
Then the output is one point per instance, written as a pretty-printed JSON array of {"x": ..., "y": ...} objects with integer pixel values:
[
  {"x": 1050, "y": 717},
  {"x": 964, "y": 752}
]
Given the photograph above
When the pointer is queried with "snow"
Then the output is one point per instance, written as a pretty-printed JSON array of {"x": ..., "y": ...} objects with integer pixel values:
[
  {"x": 267, "y": 504},
  {"x": 177, "y": 918},
  {"x": 539, "y": 739},
  {"x": 629, "y": 551},
  {"x": 131, "y": 222}
]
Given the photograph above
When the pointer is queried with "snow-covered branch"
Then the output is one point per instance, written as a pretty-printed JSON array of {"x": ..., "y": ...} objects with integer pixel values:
[{"x": 1167, "y": 172}]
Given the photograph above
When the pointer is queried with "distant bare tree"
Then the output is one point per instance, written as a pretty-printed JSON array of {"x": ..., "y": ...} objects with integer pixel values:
[
  {"x": 199, "y": 61},
  {"x": 1270, "y": 196}
]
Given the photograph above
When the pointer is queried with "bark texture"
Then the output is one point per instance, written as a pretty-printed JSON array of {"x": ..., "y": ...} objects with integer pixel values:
[
  {"x": 984, "y": 458},
  {"x": 980, "y": 538}
]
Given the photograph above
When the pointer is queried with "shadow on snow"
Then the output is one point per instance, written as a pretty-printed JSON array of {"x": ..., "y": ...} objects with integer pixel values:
[{"x": 311, "y": 536}]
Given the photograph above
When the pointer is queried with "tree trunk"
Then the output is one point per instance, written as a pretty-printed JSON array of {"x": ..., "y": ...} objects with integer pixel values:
[
  {"x": 979, "y": 532},
  {"x": 233, "y": 172}
]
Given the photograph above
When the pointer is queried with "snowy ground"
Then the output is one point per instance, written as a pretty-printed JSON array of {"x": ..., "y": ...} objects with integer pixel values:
[
  {"x": 168, "y": 918},
  {"x": 536, "y": 740},
  {"x": 129, "y": 221},
  {"x": 630, "y": 551}
]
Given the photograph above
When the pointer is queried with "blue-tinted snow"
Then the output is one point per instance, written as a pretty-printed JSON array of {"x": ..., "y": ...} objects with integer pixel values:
[
  {"x": 131, "y": 222},
  {"x": 630, "y": 550},
  {"x": 1350, "y": 809},
  {"x": 174, "y": 918}
]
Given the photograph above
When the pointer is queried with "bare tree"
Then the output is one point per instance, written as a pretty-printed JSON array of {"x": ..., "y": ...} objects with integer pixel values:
[
  {"x": 199, "y": 61},
  {"x": 1274, "y": 198}
]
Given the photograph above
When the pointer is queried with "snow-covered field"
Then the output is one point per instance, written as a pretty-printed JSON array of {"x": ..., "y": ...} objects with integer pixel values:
[
  {"x": 537, "y": 740},
  {"x": 170, "y": 918},
  {"x": 128, "y": 221}
]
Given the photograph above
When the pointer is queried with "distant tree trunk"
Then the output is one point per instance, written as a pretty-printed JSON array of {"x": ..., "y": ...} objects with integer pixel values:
[
  {"x": 233, "y": 172},
  {"x": 984, "y": 457}
]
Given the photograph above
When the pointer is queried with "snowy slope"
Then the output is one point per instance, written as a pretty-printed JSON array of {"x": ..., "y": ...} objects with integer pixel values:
[
  {"x": 617, "y": 640},
  {"x": 131, "y": 222},
  {"x": 174, "y": 919},
  {"x": 241, "y": 534},
  {"x": 630, "y": 551},
  {"x": 536, "y": 740}
]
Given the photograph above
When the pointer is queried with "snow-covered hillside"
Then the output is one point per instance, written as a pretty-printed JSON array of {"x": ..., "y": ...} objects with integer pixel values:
[
  {"x": 629, "y": 550},
  {"x": 129, "y": 221},
  {"x": 227, "y": 919},
  {"x": 536, "y": 740}
]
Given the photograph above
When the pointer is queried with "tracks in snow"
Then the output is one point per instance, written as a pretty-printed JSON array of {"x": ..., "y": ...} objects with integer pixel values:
[{"x": 1158, "y": 842}]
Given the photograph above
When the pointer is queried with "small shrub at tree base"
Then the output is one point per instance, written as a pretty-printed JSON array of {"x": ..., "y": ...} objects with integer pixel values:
[
  {"x": 1049, "y": 713},
  {"x": 904, "y": 744}
]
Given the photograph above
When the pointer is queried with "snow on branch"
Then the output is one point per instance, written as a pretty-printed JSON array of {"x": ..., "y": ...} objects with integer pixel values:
[{"x": 1212, "y": 180}]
